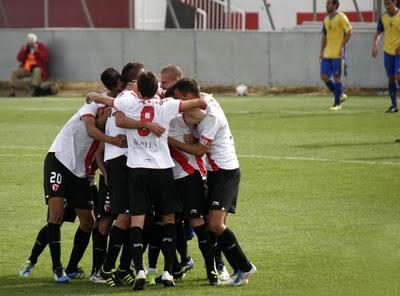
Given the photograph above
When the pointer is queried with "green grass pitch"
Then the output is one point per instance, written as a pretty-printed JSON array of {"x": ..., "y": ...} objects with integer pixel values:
[{"x": 319, "y": 205}]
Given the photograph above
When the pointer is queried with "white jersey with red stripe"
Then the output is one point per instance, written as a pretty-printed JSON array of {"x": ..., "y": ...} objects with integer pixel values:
[
  {"x": 146, "y": 150},
  {"x": 185, "y": 163},
  {"x": 112, "y": 130},
  {"x": 72, "y": 146},
  {"x": 214, "y": 130}
]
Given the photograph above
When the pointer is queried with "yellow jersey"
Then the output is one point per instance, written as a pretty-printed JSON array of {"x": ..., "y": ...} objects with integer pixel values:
[
  {"x": 390, "y": 25},
  {"x": 334, "y": 29}
]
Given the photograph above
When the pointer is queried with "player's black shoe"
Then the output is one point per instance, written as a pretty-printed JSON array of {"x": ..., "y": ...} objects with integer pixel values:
[{"x": 392, "y": 109}]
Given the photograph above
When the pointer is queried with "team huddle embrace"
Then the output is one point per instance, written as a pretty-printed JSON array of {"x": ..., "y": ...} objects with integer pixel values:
[{"x": 168, "y": 169}]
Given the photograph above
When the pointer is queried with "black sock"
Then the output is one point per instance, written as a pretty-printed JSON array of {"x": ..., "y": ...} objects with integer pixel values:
[
  {"x": 154, "y": 245},
  {"x": 219, "y": 262},
  {"x": 40, "y": 244},
  {"x": 205, "y": 246},
  {"x": 99, "y": 249},
  {"x": 136, "y": 247},
  {"x": 181, "y": 243},
  {"x": 232, "y": 250},
  {"x": 168, "y": 246},
  {"x": 54, "y": 236},
  {"x": 117, "y": 239},
  {"x": 81, "y": 241},
  {"x": 125, "y": 259}
]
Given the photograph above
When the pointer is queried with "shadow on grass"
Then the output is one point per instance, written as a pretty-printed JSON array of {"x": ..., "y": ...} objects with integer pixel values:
[{"x": 14, "y": 285}]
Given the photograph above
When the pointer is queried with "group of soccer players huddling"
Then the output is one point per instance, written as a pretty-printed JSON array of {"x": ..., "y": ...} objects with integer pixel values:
[
  {"x": 167, "y": 165},
  {"x": 337, "y": 31}
]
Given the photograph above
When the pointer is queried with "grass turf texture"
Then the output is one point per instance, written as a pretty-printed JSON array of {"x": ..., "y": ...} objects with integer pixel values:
[{"x": 318, "y": 212}]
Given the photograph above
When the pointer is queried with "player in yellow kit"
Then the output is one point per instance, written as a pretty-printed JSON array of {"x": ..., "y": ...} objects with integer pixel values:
[
  {"x": 336, "y": 34},
  {"x": 389, "y": 24}
]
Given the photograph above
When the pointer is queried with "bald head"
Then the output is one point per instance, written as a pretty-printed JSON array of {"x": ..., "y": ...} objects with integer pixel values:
[{"x": 170, "y": 75}]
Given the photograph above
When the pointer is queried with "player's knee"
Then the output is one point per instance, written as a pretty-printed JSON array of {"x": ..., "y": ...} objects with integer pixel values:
[
  {"x": 324, "y": 78},
  {"x": 55, "y": 216},
  {"x": 104, "y": 226},
  {"x": 216, "y": 227},
  {"x": 123, "y": 221},
  {"x": 196, "y": 222},
  {"x": 397, "y": 77},
  {"x": 86, "y": 223},
  {"x": 168, "y": 218},
  {"x": 337, "y": 79}
]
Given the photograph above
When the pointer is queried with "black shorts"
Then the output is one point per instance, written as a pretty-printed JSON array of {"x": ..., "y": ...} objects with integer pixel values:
[
  {"x": 192, "y": 194},
  {"x": 61, "y": 182},
  {"x": 117, "y": 174},
  {"x": 102, "y": 203},
  {"x": 223, "y": 190},
  {"x": 150, "y": 188}
]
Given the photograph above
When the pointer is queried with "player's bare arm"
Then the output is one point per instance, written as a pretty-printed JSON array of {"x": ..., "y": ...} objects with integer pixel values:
[
  {"x": 374, "y": 50},
  {"x": 195, "y": 149},
  {"x": 99, "y": 98},
  {"x": 99, "y": 157},
  {"x": 101, "y": 118},
  {"x": 125, "y": 122},
  {"x": 191, "y": 104},
  {"x": 96, "y": 134},
  {"x": 323, "y": 45}
]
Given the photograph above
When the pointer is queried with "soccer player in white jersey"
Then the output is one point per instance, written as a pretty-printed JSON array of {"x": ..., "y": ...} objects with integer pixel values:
[
  {"x": 117, "y": 173},
  {"x": 223, "y": 176},
  {"x": 190, "y": 173},
  {"x": 110, "y": 80},
  {"x": 65, "y": 177},
  {"x": 151, "y": 181}
]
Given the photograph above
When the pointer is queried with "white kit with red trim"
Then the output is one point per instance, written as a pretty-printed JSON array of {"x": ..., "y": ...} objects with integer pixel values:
[
  {"x": 214, "y": 131},
  {"x": 112, "y": 130},
  {"x": 146, "y": 150},
  {"x": 72, "y": 146},
  {"x": 185, "y": 163}
]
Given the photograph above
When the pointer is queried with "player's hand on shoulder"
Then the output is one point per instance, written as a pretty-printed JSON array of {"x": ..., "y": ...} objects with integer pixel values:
[
  {"x": 155, "y": 128},
  {"x": 90, "y": 97}
]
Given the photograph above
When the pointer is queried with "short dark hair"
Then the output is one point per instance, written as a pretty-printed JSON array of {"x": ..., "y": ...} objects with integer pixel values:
[
  {"x": 147, "y": 84},
  {"x": 110, "y": 77},
  {"x": 131, "y": 71},
  {"x": 187, "y": 85},
  {"x": 336, "y": 3}
]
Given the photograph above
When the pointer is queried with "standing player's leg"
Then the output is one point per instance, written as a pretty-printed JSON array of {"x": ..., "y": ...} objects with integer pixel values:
[
  {"x": 81, "y": 199},
  {"x": 337, "y": 76},
  {"x": 37, "y": 249},
  {"x": 326, "y": 73},
  {"x": 81, "y": 241},
  {"x": 56, "y": 176},
  {"x": 136, "y": 246},
  {"x": 221, "y": 198},
  {"x": 390, "y": 67}
]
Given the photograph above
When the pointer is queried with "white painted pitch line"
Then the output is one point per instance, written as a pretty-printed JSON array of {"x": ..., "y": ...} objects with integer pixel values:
[{"x": 296, "y": 158}]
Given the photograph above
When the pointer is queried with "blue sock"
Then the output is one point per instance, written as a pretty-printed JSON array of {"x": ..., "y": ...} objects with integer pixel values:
[
  {"x": 329, "y": 84},
  {"x": 393, "y": 93},
  {"x": 338, "y": 92}
]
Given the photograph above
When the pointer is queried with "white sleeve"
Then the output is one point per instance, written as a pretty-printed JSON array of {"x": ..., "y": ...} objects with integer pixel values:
[
  {"x": 171, "y": 109},
  {"x": 122, "y": 104},
  {"x": 88, "y": 110},
  {"x": 208, "y": 128}
]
